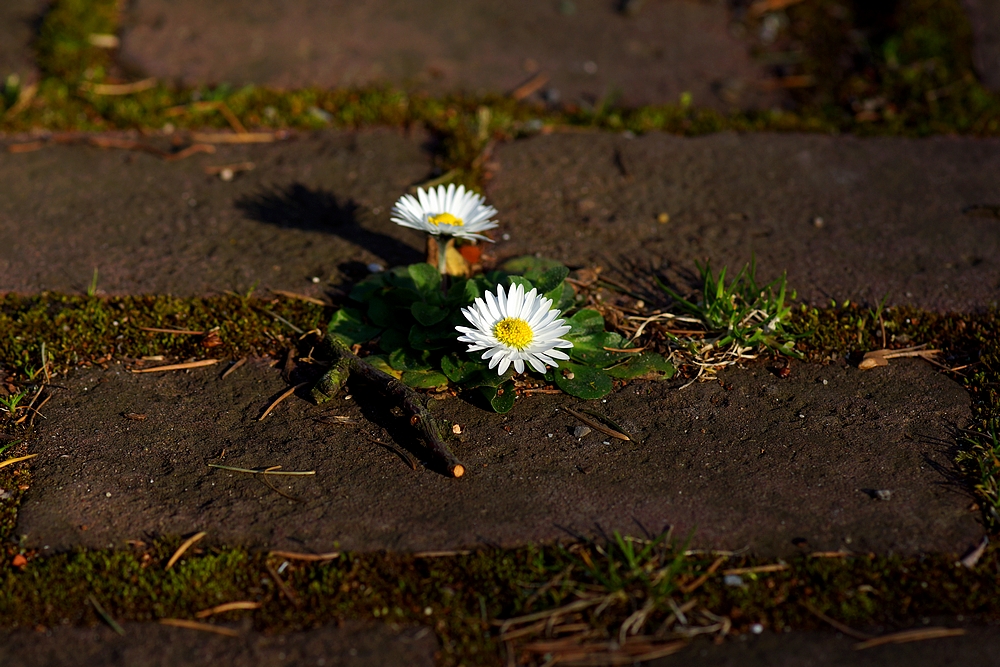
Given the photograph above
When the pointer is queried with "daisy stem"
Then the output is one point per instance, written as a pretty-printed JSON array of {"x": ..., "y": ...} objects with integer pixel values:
[{"x": 442, "y": 245}]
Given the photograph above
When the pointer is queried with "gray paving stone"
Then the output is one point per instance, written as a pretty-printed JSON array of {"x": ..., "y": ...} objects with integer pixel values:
[
  {"x": 149, "y": 226},
  {"x": 17, "y": 30},
  {"x": 846, "y": 217},
  {"x": 587, "y": 48},
  {"x": 761, "y": 464},
  {"x": 985, "y": 18},
  {"x": 153, "y": 645}
]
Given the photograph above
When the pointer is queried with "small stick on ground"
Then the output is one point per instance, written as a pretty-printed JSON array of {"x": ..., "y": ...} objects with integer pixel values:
[
  {"x": 10, "y": 462},
  {"x": 195, "y": 625},
  {"x": 184, "y": 547},
  {"x": 597, "y": 426},
  {"x": 177, "y": 332},
  {"x": 346, "y": 363}
]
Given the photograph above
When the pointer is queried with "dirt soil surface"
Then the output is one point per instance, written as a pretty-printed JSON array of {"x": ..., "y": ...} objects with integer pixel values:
[
  {"x": 18, "y": 23},
  {"x": 761, "y": 462},
  {"x": 153, "y": 645},
  {"x": 586, "y": 49},
  {"x": 984, "y": 15},
  {"x": 306, "y": 209},
  {"x": 846, "y": 217},
  {"x": 318, "y": 206}
]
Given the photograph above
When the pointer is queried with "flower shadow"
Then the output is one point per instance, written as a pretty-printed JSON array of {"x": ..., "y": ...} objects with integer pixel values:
[{"x": 297, "y": 206}]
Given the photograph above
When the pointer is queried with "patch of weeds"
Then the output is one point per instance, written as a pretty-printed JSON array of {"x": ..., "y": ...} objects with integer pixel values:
[
  {"x": 741, "y": 314},
  {"x": 980, "y": 457},
  {"x": 414, "y": 320},
  {"x": 63, "y": 46}
]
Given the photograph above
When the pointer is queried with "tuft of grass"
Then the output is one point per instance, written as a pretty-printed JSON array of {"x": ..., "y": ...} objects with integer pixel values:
[
  {"x": 980, "y": 457},
  {"x": 741, "y": 312}
]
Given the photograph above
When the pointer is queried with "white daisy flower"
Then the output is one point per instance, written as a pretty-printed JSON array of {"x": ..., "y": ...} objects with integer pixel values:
[
  {"x": 514, "y": 327},
  {"x": 446, "y": 211}
]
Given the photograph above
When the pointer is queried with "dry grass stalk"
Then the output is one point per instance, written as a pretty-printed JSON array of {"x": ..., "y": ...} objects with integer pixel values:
[
  {"x": 312, "y": 558},
  {"x": 910, "y": 636},
  {"x": 530, "y": 86},
  {"x": 240, "y": 138},
  {"x": 176, "y": 332},
  {"x": 286, "y": 394},
  {"x": 18, "y": 459},
  {"x": 184, "y": 547},
  {"x": 300, "y": 297},
  {"x": 195, "y": 625},
  {"x": 178, "y": 367},
  {"x": 773, "y": 567},
  {"x": 238, "y": 363},
  {"x": 228, "y": 606},
  {"x": 118, "y": 88}
]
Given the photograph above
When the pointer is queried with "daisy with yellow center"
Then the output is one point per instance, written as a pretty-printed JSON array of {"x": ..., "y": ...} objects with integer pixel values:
[
  {"x": 446, "y": 211},
  {"x": 513, "y": 327}
]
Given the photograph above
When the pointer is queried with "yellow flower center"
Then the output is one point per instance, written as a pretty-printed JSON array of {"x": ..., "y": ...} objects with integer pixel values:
[
  {"x": 514, "y": 332},
  {"x": 445, "y": 219}
]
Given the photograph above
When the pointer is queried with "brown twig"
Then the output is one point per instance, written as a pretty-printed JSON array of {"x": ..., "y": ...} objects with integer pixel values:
[
  {"x": 118, "y": 88},
  {"x": 285, "y": 589},
  {"x": 530, "y": 86},
  {"x": 228, "y": 606},
  {"x": 597, "y": 426},
  {"x": 239, "y": 362},
  {"x": 347, "y": 363},
  {"x": 313, "y": 558}
]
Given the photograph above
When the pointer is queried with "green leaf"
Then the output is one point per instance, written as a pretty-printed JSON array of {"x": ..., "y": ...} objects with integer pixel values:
[
  {"x": 385, "y": 315},
  {"x": 582, "y": 381},
  {"x": 645, "y": 365},
  {"x": 427, "y": 314},
  {"x": 463, "y": 292},
  {"x": 364, "y": 290},
  {"x": 381, "y": 363},
  {"x": 585, "y": 321},
  {"x": 403, "y": 359},
  {"x": 523, "y": 282},
  {"x": 459, "y": 369},
  {"x": 487, "y": 377},
  {"x": 393, "y": 339},
  {"x": 426, "y": 278},
  {"x": 501, "y": 398},
  {"x": 348, "y": 326},
  {"x": 551, "y": 279},
  {"x": 424, "y": 379},
  {"x": 436, "y": 337},
  {"x": 590, "y": 350}
]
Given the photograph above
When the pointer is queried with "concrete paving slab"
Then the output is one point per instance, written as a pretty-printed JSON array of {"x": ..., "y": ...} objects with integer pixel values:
[
  {"x": 18, "y": 19},
  {"x": 984, "y": 15},
  {"x": 761, "y": 462},
  {"x": 154, "y": 645},
  {"x": 150, "y": 226},
  {"x": 826, "y": 649},
  {"x": 587, "y": 48},
  {"x": 846, "y": 217}
]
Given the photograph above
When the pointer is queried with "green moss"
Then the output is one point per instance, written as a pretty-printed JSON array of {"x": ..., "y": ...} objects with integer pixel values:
[{"x": 463, "y": 596}]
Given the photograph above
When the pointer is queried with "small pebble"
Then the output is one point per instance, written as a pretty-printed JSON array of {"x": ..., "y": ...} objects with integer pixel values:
[
  {"x": 581, "y": 431},
  {"x": 226, "y": 174},
  {"x": 756, "y": 628},
  {"x": 883, "y": 494},
  {"x": 108, "y": 494},
  {"x": 375, "y": 267},
  {"x": 818, "y": 222},
  {"x": 315, "y": 280},
  {"x": 456, "y": 429},
  {"x": 663, "y": 218},
  {"x": 733, "y": 580},
  {"x": 590, "y": 67}
]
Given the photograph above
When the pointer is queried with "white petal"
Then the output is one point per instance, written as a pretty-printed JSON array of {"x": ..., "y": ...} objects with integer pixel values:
[{"x": 504, "y": 365}]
